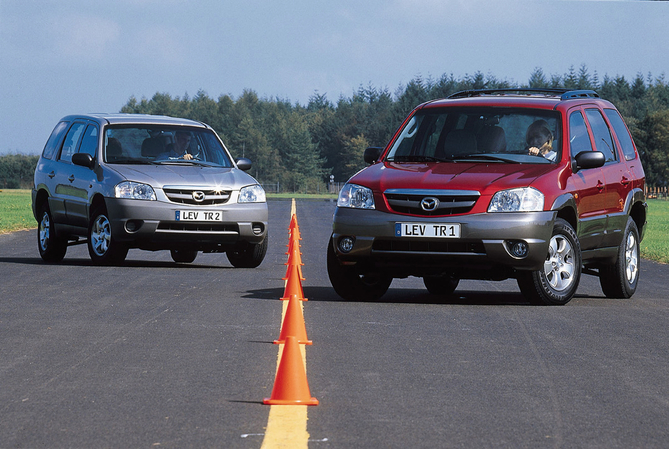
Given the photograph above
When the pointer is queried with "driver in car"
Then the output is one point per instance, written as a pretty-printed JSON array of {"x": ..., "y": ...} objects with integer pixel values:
[
  {"x": 179, "y": 149},
  {"x": 540, "y": 140}
]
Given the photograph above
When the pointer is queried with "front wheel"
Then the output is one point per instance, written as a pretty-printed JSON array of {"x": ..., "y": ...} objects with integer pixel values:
[
  {"x": 102, "y": 246},
  {"x": 51, "y": 248},
  {"x": 557, "y": 281},
  {"x": 353, "y": 286},
  {"x": 248, "y": 255},
  {"x": 621, "y": 279}
]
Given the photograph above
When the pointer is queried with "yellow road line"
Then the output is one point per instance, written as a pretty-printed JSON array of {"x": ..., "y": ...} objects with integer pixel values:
[{"x": 287, "y": 424}]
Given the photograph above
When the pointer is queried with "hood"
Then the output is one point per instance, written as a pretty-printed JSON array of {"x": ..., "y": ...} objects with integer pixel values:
[
  {"x": 457, "y": 176},
  {"x": 185, "y": 175}
]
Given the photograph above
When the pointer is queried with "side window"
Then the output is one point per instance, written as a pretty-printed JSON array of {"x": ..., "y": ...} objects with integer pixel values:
[
  {"x": 579, "y": 139},
  {"x": 89, "y": 144},
  {"x": 602, "y": 134},
  {"x": 71, "y": 141},
  {"x": 52, "y": 144},
  {"x": 623, "y": 134}
]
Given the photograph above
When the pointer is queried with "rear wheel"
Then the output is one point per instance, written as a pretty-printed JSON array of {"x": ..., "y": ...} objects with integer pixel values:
[
  {"x": 248, "y": 255},
  {"x": 102, "y": 246},
  {"x": 51, "y": 248},
  {"x": 353, "y": 286},
  {"x": 183, "y": 255},
  {"x": 621, "y": 279},
  {"x": 442, "y": 286},
  {"x": 557, "y": 281}
]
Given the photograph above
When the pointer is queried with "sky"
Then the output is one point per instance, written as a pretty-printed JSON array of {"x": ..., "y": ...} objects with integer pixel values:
[{"x": 77, "y": 56}]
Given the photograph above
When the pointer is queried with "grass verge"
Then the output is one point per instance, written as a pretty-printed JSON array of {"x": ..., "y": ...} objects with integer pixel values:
[
  {"x": 16, "y": 214},
  {"x": 15, "y": 210}
]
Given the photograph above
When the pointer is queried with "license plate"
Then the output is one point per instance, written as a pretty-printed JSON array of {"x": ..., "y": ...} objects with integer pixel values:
[
  {"x": 434, "y": 230},
  {"x": 198, "y": 215}
]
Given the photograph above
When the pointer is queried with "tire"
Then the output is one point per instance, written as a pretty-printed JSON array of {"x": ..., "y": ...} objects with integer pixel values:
[
  {"x": 441, "y": 286},
  {"x": 248, "y": 255},
  {"x": 52, "y": 249},
  {"x": 557, "y": 282},
  {"x": 621, "y": 279},
  {"x": 353, "y": 286},
  {"x": 183, "y": 255},
  {"x": 102, "y": 247}
]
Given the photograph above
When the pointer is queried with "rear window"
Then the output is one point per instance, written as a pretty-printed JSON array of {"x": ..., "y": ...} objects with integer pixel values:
[
  {"x": 622, "y": 133},
  {"x": 456, "y": 134},
  {"x": 52, "y": 144}
]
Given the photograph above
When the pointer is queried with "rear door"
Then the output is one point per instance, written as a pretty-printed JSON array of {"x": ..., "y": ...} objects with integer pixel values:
[
  {"x": 616, "y": 177},
  {"x": 65, "y": 191}
]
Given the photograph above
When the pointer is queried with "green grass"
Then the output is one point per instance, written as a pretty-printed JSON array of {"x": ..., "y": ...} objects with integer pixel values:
[
  {"x": 655, "y": 244},
  {"x": 16, "y": 214},
  {"x": 15, "y": 210}
]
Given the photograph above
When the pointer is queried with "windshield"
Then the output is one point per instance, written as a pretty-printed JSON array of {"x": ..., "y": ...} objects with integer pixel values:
[
  {"x": 149, "y": 144},
  {"x": 474, "y": 134}
]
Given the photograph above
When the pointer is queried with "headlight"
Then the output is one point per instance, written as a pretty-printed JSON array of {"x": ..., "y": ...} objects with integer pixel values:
[
  {"x": 525, "y": 199},
  {"x": 135, "y": 191},
  {"x": 358, "y": 197},
  {"x": 252, "y": 194}
]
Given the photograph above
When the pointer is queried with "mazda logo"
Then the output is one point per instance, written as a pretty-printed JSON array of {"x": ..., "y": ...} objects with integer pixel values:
[
  {"x": 198, "y": 196},
  {"x": 429, "y": 204}
]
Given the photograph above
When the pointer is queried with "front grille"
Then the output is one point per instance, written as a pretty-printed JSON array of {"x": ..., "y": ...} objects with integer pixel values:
[
  {"x": 426, "y": 247},
  {"x": 184, "y": 195},
  {"x": 218, "y": 228},
  {"x": 448, "y": 202}
]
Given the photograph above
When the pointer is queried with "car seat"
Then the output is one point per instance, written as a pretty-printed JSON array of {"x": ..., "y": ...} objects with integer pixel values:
[{"x": 459, "y": 142}]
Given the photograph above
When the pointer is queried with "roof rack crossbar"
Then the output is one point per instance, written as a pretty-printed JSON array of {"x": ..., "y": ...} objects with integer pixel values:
[{"x": 565, "y": 94}]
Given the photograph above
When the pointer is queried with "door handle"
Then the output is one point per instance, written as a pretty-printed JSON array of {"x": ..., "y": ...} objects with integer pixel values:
[
  {"x": 600, "y": 185},
  {"x": 71, "y": 178},
  {"x": 52, "y": 174},
  {"x": 625, "y": 181}
]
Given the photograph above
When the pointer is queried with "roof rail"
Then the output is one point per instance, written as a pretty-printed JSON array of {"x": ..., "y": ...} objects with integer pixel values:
[
  {"x": 579, "y": 94},
  {"x": 565, "y": 94}
]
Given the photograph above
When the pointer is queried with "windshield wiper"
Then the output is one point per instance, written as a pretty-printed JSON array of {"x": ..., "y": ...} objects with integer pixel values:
[
  {"x": 131, "y": 161},
  {"x": 487, "y": 157},
  {"x": 415, "y": 158}
]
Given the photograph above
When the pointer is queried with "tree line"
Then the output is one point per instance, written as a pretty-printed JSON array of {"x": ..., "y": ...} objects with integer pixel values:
[{"x": 298, "y": 147}]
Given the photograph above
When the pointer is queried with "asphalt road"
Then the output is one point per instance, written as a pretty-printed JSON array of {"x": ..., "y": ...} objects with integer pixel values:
[{"x": 155, "y": 354}]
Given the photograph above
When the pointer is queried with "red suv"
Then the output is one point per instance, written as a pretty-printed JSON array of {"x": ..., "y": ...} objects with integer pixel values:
[{"x": 536, "y": 185}]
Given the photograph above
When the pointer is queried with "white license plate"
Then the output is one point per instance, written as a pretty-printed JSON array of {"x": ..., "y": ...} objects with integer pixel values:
[
  {"x": 198, "y": 215},
  {"x": 435, "y": 230}
]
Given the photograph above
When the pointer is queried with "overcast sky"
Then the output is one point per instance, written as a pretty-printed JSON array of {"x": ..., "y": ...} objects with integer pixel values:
[{"x": 77, "y": 56}]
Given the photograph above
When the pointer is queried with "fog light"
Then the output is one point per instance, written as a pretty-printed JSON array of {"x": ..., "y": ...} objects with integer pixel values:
[
  {"x": 133, "y": 225},
  {"x": 346, "y": 244},
  {"x": 518, "y": 249}
]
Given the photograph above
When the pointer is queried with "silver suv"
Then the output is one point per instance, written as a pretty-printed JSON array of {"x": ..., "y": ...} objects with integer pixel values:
[{"x": 124, "y": 181}]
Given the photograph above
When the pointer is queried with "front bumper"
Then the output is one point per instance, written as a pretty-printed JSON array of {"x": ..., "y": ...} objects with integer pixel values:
[
  {"x": 484, "y": 243},
  {"x": 153, "y": 225}
]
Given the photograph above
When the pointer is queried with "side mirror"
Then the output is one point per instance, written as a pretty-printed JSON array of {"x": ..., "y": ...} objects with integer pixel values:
[
  {"x": 83, "y": 159},
  {"x": 587, "y": 159},
  {"x": 372, "y": 154},
  {"x": 243, "y": 164}
]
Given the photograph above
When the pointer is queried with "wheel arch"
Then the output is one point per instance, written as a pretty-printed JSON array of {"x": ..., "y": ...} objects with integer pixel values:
[
  {"x": 565, "y": 206},
  {"x": 97, "y": 202},
  {"x": 40, "y": 197},
  {"x": 638, "y": 209}
]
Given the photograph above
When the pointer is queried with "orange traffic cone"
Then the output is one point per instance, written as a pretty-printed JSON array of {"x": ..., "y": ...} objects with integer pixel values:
[
  {"x": 290, "y": 385},
  {"x": 293, "y": 323},
  {"x": 294, "y": 258},
  {"x": 293, "y": 284},
  {"x": 293, "y": 222}
]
